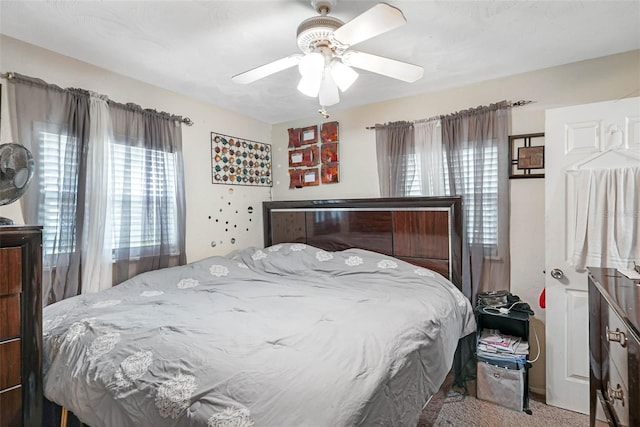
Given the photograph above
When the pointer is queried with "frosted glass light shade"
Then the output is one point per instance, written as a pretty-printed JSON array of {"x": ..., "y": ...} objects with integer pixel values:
[
  {"x": 328, "y": 91},
  {"x": 311, "y": 64},
  {"x": 324, "y": 82},
  {"x": 342, "y": 74},
  {"x": 310, "y": 84}
]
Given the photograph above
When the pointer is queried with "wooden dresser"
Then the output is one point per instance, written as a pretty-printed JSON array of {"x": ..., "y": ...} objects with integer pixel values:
[
  {"x": 614, "y": 347},
  {"x": 20, "y": 326}
]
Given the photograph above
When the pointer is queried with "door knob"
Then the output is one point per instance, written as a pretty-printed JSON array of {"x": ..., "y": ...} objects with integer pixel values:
[{"x": 556, "y": 273}]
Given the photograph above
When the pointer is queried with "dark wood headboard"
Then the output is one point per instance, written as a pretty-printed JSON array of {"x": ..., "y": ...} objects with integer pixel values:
[{"x": 425, "y": 231}]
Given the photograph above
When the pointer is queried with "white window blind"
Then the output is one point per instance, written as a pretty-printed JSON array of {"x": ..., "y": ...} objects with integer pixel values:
[
  {"x": 58, "y": 190},
  {"x": 413, "y": 182},
  {"x": 485, "y": 182},
  {"x": 144, "y": 197}
]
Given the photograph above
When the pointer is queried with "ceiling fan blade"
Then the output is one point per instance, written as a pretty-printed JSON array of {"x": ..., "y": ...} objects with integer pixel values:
[
  {"x": 377, "y": 20},
  {"x": 386, "y": 66},
  {"x": 267, "y": 69}
]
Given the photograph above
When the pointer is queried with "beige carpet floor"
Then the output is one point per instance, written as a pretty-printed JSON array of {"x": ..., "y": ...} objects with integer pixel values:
[
  {"x": 453, "y": 408},
  {"x": 460, "y": 410}
]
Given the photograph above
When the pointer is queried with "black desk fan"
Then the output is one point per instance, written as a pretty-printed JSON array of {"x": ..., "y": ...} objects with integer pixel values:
[{"x": 16, "y": 170}]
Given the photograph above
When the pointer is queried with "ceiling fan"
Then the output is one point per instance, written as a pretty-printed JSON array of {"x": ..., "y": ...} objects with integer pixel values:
[{"x": 326, "y": 61}]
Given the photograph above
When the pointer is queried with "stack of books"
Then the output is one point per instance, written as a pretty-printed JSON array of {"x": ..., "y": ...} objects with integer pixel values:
[{"x": 502, "y": 350}]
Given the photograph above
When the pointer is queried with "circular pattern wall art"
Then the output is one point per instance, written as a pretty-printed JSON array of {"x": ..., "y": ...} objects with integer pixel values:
[{"x": 237, "y": 161}]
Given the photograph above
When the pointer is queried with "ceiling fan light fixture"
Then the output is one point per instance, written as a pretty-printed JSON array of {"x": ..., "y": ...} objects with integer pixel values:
[
  {"x": 328, "y": 91},
  {"x": 342, "y": 74},
  {"x": 311, "y": 64},
  {"x": 310, "y": 84},
  {"x": 314, "y": 30}
]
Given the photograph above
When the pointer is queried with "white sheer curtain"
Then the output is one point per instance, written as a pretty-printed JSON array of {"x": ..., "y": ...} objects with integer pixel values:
[
  {"x": 429, "y": 154},
  {"x": 97, "y": 258},
  {"x": 607, "y": 230}
]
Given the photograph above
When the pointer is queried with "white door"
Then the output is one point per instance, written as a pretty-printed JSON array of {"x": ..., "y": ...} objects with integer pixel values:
[{"x": 574, "y": 135}]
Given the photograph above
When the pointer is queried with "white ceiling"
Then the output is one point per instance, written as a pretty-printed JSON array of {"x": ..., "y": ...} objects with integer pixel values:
[{"x": 194, "y": 48}]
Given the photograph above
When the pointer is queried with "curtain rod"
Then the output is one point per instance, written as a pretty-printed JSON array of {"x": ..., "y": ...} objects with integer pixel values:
[
  {"x": 11, "y": 75},
  {"x": 513, "y": 104}
]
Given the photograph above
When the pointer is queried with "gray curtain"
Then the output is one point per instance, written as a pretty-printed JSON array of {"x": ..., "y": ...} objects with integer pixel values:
[
  {"x": 39, "y": 110},
  {"x": 394, "y": 145},
  {"x": 475, "y": 140},
  {"x": 155, "y": 214},
  {"x": 475, "y": 143}
]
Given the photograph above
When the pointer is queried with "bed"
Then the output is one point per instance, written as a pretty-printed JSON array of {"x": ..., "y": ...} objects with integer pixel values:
[{"x": 313, "y": 331}]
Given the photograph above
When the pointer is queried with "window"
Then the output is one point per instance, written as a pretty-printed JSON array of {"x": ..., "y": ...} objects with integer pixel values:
[
  {"x": 58, "y": 184},
  {"x": 413, "y": 182},
  {"x": 487, "y": 184},
  {"x": 144, "y": 206},
  {"x": 144, "y": 198}
]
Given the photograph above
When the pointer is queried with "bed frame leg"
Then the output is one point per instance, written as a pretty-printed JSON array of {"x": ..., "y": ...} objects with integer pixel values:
[{"x": 63, "y": 417}]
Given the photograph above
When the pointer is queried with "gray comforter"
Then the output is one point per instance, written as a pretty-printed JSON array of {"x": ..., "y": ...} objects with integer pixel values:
[{"x": 289, "y": 335}]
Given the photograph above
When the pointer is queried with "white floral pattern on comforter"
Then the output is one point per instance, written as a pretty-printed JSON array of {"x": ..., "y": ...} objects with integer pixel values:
[{"x": 289, "y": 335}]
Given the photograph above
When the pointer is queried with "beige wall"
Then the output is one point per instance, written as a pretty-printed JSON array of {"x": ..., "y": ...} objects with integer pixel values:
[
  {"x": 607, "y": 78},
  {"x": 204, "y": 199}
]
